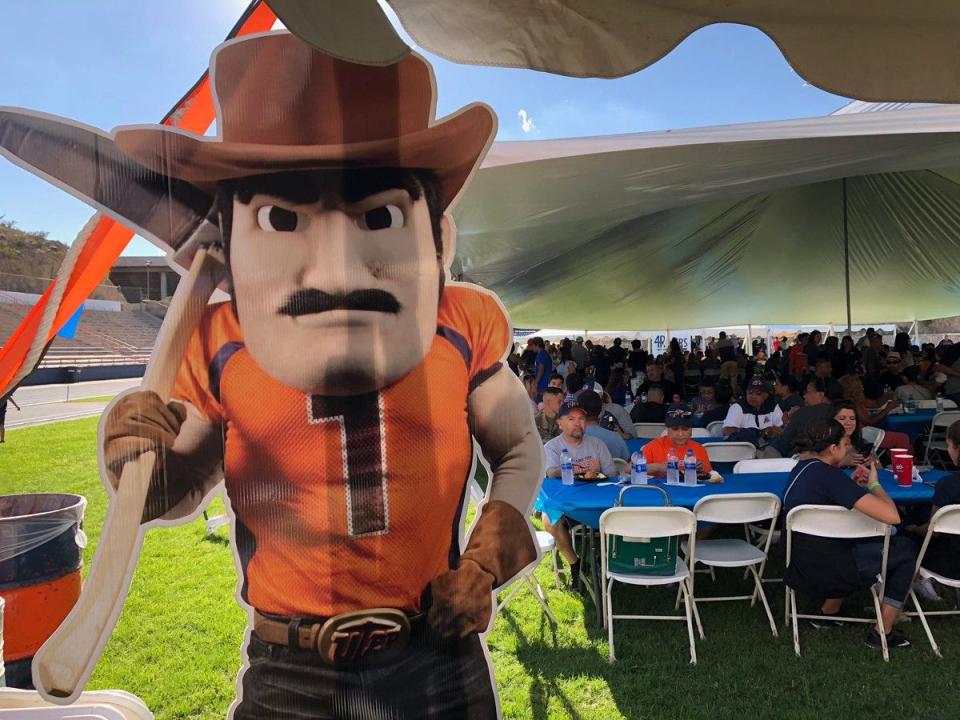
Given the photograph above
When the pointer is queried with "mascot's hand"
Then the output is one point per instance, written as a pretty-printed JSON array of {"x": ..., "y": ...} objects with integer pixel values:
[
  {"x": 500, "y": 546},
  {"x": 140, "y": 421}
]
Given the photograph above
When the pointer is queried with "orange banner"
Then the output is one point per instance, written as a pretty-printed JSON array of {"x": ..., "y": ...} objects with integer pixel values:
[{"x": 193, "y": 113}]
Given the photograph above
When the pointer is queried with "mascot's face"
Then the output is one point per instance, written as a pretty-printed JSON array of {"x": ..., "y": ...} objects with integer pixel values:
[{"x": 336, "y": 300}]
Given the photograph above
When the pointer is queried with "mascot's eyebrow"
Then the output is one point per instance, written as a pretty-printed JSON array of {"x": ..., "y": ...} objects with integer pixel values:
[{"x": 332, "y": 188}]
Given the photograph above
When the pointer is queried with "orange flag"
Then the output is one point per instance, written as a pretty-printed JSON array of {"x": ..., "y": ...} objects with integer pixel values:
[{"x": 194, "y": 113}]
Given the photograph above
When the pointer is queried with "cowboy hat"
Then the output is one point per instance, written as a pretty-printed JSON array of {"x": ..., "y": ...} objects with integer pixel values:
[{"x": 281, "y": 106}]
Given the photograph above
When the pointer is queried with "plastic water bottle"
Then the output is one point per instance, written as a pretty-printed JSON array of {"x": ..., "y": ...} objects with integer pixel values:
[
  {"x": 939, "y": 403},
  {"x": 673, "y": 468},
  {"x": 643, "y": 398},
  {"x": 627, "y": 398},
  {"x": 566, "y": 468},
  {"x": 690, "y": 468},
  {"x": 638, "y": 466}
]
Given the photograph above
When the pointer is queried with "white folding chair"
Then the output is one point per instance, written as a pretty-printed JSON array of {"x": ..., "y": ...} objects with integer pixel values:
[
  {"x": 873, "y": 435},
  {"x": 764, "y": 465},
  {"x": 831, "y": 521},
  {"x": 937, "y": 439},
  {"x": 758, "y": 533},
  {"x": 622, "y": 465},
  {"x": 735, "y": 509},
  {"x": 696, "y": 433},
  {"x": 649, "y": 430},
  {"x": 527, "y": 578},
  {"x": 932, "y": 404},
  {"x": 715, "y": 429},
  {"x": 947, "y": 521},
  {"x": 730, "y": 452},
  {"x": 638, "y": 524}
]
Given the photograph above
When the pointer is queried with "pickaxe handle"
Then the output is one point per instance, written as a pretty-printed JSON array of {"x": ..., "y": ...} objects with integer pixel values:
[{"x": 64, "y": 662}]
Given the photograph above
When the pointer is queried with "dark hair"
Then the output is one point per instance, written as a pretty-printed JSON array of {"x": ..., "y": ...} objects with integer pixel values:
[
  {"x": 819, "y": 384},
  {"x": 555, "y": 376},
  {"x": 790, "y": 381},
  {"x": 552, "y": 391},
  {"x": 331, "y": 187},
  {"x": 818, "y": 435},
  {"x": 953, "y": 433},
  {"x": 857, "y": 437},
  {"x": 574, "y": 382},
  {"x": 901, "y": 343},
  {"x": 911, "y": 372}
]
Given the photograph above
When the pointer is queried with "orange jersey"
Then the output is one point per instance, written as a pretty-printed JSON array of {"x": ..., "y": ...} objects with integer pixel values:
[
  {"x": 346, "y": 503},
  {"x": 656, "y": 451}
]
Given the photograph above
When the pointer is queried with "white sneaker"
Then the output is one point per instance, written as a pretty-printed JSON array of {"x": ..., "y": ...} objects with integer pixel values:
[{"x": 924, "y": 588}]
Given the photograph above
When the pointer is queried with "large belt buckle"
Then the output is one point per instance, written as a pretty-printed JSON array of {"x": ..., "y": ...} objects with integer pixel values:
[{"x": 347, "y": 638}]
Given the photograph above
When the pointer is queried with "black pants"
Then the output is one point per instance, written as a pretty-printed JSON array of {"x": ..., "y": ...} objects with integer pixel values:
[{"x": 432, "y": 678}]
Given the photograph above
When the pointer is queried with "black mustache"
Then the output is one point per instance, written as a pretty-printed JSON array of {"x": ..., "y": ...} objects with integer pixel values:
[{"x": 311, "y": 301}]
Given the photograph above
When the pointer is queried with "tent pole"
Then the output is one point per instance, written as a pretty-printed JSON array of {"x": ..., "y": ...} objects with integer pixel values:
[{"x": 846, "y": 253}]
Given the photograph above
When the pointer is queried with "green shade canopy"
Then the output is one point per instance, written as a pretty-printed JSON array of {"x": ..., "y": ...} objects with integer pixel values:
[{"x": 727, "y": 225}]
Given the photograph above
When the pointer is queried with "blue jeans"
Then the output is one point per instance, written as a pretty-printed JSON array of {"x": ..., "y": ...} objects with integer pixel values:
[{"x": 901, "y": 562}]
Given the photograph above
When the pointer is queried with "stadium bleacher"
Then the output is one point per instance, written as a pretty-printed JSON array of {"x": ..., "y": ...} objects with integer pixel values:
[{"x": 102, "y": 337}]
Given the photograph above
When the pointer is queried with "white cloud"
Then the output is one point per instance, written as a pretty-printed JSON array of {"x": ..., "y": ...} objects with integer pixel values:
[{"x": 526, "y": 121}]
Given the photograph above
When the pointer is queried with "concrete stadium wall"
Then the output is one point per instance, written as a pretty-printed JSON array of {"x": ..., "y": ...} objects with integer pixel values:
[{"x": 54, "y": 376}]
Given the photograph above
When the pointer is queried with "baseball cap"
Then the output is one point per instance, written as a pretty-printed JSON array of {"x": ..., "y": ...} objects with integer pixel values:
[
  {"x": 590, "y": 402},
  {"x": 569, "y": 407},
  {"x": 758, "y": 385},
  {"x": 678, "y": 415}
]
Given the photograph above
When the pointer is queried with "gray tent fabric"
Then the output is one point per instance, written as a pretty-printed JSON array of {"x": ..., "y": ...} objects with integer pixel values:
[
  {"x": 879, "y": 50},
  {"x": 728, "y": 225}
]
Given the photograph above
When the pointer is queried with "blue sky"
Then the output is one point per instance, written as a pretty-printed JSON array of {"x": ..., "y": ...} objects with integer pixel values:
[{"x": 110, "y": 63}]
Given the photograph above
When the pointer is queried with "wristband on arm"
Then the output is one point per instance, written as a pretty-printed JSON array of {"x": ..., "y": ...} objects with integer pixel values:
[{"x": 874, "y": 484}]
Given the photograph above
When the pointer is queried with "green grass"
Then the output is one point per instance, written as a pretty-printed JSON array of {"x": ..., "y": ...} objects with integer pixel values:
[
  {"x": 98, "y": 398},
  {"x": 177, "y": 644}
]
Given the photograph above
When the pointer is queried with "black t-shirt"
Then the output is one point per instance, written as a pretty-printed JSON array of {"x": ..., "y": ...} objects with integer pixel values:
[
  {"x": 648, "y": 412},
  {"x": 637, "y": 360},
  {"x": 617, "y": 355},
  {"x": 943, "y": 553},
  {"x": 789, "y": 402},
  {"x": 821, "y": 567},
  {"x": 669, "y": 389}
]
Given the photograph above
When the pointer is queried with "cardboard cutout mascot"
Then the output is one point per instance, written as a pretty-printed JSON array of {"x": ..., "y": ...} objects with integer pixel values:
[{"x": 337, "y": 394}]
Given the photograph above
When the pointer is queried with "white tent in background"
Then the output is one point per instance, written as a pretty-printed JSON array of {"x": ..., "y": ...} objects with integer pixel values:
[{"x": 758, "y": 223}]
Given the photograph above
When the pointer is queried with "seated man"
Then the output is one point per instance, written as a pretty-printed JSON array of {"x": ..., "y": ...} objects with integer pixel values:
[
  {"x": 655, "y": 379},
  {"x": 615, "y": 417},
  {"x": 913, "y": 388},
  {"x": 704, "y": 402},
  {"x": 755, "y": 418},
  {"x": 679, "y": 422},
  {"x": 574, "y": 384},
  {"x": 653, "y": 410},
  {"x": 555, "y": 381},
  {"x": 593, "y": 406},
  {"x": 787, "y": 392},
  {"x": 546, "y": 419},
  {"x": 588, "y": 455}
]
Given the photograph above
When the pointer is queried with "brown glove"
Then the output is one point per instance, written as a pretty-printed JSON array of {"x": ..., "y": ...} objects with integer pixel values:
[
  {"x": 139, "y": 422},
  {"x": 500, "y": 546}
]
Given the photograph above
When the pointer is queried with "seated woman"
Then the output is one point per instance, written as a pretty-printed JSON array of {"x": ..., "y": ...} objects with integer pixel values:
[
  {"x": 943, "y": 552},
  {"x": 845, "y": 413},
  {"x": 872, "y": 409},
  {"x": 833, "y": 568}
]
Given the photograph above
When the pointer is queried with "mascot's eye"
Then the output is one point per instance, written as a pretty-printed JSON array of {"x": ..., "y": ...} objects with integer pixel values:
[
  {"x": 277, "y": 219},
  {"x": 381, "y": 218}
]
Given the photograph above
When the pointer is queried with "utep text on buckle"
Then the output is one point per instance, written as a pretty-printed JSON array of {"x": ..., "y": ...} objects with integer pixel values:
[{"x": 347, "y": 638}]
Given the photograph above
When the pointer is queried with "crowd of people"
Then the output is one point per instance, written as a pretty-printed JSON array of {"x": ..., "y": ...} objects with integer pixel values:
[
  {"x": 758, "y": 397},
  {"x": 809, "y": 399}
]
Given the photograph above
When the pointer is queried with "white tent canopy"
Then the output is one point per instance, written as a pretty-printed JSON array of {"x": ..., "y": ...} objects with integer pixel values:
[{"x": 727, "y": 225}]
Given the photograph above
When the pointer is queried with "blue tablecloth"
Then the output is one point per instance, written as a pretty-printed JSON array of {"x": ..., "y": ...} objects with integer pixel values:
[
  {"x": 585, "y": 502},
  {"x": 912, "y": 424}
]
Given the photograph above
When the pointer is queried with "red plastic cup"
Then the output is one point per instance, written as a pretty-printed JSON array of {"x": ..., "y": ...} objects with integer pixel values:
[{"x": 903, "y": 469}]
